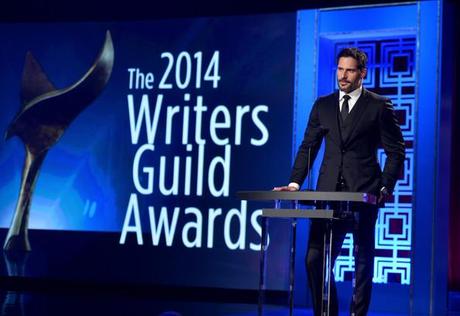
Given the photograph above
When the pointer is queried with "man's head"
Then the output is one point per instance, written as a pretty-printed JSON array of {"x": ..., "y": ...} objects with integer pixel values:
[{"x": 351, "y": 69}]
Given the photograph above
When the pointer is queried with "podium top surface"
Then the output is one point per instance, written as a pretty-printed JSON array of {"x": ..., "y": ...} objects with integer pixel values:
[{"x": 308, "y": 196}]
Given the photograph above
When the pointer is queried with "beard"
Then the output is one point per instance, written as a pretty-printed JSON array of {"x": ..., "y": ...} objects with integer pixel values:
[{"x": 348, "y": 86}]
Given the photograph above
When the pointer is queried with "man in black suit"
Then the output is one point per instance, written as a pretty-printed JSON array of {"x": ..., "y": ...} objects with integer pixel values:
[{"x": 353, "y": 122}]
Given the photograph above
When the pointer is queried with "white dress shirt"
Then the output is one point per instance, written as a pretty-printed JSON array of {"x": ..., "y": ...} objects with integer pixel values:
[{"x": 354, "y": 96}]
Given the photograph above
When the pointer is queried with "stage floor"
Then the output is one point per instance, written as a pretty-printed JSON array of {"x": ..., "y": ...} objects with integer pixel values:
[{"x": 69, "y": 304}]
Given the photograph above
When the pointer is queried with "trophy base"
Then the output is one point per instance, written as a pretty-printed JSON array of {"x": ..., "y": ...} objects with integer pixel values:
[{"x": 17, "y": 243}]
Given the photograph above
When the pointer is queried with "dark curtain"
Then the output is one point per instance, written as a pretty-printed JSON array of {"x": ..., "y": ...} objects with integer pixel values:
[{"x": 451, "y": 70}]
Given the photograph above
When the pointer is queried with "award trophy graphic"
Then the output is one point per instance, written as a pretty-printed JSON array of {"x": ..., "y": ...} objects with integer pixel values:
[{"x": 45, "y": 114}]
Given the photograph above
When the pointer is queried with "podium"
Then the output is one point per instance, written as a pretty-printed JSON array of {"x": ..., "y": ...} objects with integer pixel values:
[{"x": 332, "y": 206}]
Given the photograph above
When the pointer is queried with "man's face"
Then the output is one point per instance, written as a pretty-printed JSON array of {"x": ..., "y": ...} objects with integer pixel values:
[{"x": 349, "y": 77}]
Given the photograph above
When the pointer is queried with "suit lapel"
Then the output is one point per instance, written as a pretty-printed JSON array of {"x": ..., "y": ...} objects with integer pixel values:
[
  {"x": 332, "y": 115},
  {"x": 354, "y": 117}
]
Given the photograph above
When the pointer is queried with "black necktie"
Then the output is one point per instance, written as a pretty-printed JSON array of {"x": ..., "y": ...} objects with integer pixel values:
[{"x": 345, "y": 107}]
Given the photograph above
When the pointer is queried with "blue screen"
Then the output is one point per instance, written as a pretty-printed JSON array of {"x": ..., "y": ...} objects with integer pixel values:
[{"x": 144, "y": 179}]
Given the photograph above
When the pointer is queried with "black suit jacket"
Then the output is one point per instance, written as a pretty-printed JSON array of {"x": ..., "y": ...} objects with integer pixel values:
[{"x": 351, "y": 146}]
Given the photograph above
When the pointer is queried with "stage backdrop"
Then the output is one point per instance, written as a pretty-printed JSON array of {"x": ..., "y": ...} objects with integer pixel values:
[{"x": 141, "y": 186}]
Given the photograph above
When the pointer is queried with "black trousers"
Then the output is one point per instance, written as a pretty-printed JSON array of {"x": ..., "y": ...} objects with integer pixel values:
[{"x": 362, "y": 226}]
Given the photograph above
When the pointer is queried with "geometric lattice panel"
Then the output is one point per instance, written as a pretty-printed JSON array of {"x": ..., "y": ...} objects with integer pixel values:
[{"x": 391, "y": 72}]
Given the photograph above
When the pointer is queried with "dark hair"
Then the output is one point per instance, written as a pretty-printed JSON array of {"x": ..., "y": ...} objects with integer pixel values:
[{"x": 355, "y": 53}]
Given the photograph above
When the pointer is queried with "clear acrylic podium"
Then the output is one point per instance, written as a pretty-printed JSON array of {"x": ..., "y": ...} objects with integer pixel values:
[{"x": 334, "y": 206}]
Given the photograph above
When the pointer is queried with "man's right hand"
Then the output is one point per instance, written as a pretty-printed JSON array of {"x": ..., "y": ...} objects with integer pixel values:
[{"x": 285, "y": 188}]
